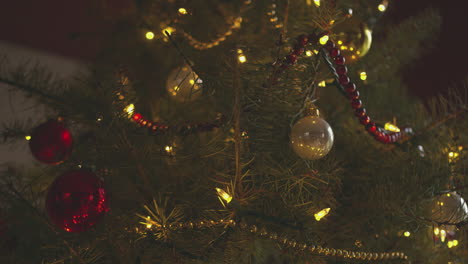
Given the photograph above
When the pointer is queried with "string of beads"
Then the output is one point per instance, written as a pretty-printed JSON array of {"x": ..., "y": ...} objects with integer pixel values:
[
  {"x": 343, "y": 82},
  {"x": 290, "y": 243}
]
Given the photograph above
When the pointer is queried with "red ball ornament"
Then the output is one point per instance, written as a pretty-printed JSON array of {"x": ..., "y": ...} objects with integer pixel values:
[
  {"x": 51, "y": 142},
  {"x": 76, "y": 201}
]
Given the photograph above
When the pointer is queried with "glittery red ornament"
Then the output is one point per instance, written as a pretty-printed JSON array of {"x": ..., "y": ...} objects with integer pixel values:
[
  {"x": 76, "y": 200},
  {"x": 51, "y": 142}
]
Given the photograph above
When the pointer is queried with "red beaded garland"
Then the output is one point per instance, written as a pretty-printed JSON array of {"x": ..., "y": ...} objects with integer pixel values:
[
  {"x": 340, "y": 60},
  {"x": 349, "y": 87},
  {"x": 334, "y": 52}
]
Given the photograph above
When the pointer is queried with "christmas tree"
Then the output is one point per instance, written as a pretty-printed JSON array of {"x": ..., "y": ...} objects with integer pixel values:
[{"x": 240, "y": 132}]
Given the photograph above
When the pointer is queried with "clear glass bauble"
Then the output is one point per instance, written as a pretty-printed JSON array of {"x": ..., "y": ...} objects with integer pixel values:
[
  {"x": 311, "y": 138},
  {"x": 183, "y": 84},
  {"x": 449, "y": 208}
]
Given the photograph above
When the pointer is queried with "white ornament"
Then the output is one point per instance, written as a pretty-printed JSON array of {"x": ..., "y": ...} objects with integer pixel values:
[
  {"x": 183, "y": 84},
  {"x": 449, "y": 208},
  {"x": 311, "y": 137}
]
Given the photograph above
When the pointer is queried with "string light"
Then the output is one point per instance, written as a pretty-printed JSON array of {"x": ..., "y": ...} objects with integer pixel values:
[
  {"x": 129, "y": 109},
  {"x": 382, "y": 8},
  {"x": 443, "y": 235},
  {"x": 317, "y": 3},
  {"x": 27, "y": 138},
  {"x": 308, "y": 53},
  {"x": 148, "y": 222},
  {"x": 241, "y": 57},
  {"x": 436, "y": 231},
  {"x": 322, "y": 84},
  {"x": 182, "y": 11},
  {"x": 321, "y": 214},
  {"x": 224, "y": 195},
  {"x": 363, "y": 75},
  {"x": 391, "y": 127},
  {"x": 323, "y": 40},
  {"x": 149, "y": 35},
  {"x": 407, "y": 234}
]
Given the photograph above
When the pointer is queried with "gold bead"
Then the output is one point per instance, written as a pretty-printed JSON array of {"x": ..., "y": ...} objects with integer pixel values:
[
  {"x": 345, "y": 253},
  {"x": 253, "y": 229},
  {"x": 273, "y": 236},
  {"x": 339, "y": 253},
  {"x": 319, "y": 249},
  {"x": 312, "y": 248},
  {"x": 303, "y": 246},
  {"x": 333, "y": 252},
  {"x": 326, "y": 251},
  {"x": 263, "y": 232}
]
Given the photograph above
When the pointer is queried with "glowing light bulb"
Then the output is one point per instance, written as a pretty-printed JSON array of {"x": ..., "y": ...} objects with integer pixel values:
[
  {"x": 391, "y": 127},
  {"x": 27, "y": 138},
  {"x": 443, "y": 235},
  {"x": 436, "y": 231},
  {"x": 322, "y": 84},
  {"x": 455, "y": 243},
  {"x": 363, "y": 75},
  {"x": 381, "y": 8},
  {"x": 148, "y": 225},
  {"x": 241, "y": 57},
  {"x": 321, "y": 214},
  {"x": 224, "y": 195},
  {"x": 129, "y": 109},
  {"x": 308, "y": 53},
  {"x": 323, "y": 40},
  {"x": 149, "y": 35},
  {"x": 407, "y": 234},
  {"x": 317, "y": 3},
  {"x": 182, "y": 11}
]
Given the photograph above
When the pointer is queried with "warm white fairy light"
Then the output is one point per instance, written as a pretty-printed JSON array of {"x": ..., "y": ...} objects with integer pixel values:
[
  {"x": 321, "y": 214},
  {"x": 149, "y": 35},
  {"x": 27, "y": 138},
  {"x": 323, "y": 40},
  {"x": 182, "y": 11},
  {"x": 224, "y": 195},
  {"x": 391, "y": 127}
]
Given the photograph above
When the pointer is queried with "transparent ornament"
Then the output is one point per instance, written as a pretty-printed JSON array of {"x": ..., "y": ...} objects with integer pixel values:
[
  {"x": 183, "y": 84},
  {"x": 449, "y": 208},
  {"x": 353, "y": 38},
  {"x": 311, "y": 138}
]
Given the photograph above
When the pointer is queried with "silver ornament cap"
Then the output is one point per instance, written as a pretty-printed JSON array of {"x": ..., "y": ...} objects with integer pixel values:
[{"x": 311, "y": 137}]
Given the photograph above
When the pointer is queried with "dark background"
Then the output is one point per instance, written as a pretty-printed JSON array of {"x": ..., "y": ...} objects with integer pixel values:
[{"x": 49, "y": 25}]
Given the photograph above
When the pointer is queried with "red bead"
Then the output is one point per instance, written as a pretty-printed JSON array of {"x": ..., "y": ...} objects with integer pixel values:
[
  {"x": 51, "y": 142},
  {"x": 341, "y": 70},
  {"x": 329, "y": 45},
  {"x": 291, "y": 58},
  {"x": 343, "y": 80},
  {"x": 360, "y": 112},
  {"x": 340, "y": 60},
  {"x": 356, "y": 104},
  {"x": 364, "y": 120},
  {"x": 354, "y": 95},
  {"x": 350, "y": 87},
  {"x": 149, "y": 124},
  {"x": 155, "y": 127},
  {"x": 76, "y": 201},
  {"x": 387, "y": 138},
  {"x": 371, "y": 128},
  {"x": 302, "y": 40},
  {"x": 335, "y": 52},
  {"x": 137, "y": 117}
]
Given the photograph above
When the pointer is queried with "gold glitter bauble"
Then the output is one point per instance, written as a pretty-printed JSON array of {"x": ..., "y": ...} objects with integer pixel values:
[{"x": 354, "y": 38}]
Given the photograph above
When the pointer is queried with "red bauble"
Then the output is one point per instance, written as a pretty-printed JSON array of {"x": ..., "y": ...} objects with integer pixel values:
[
  {"x": 76, "y": 200},
  {"x": 51, "y": 142}
]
